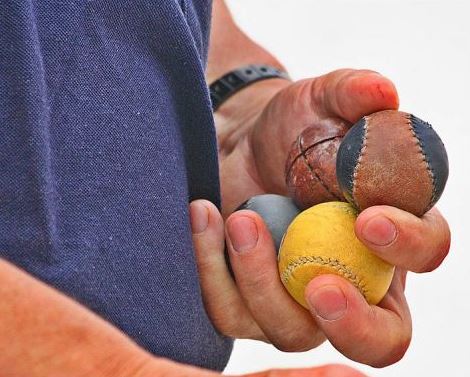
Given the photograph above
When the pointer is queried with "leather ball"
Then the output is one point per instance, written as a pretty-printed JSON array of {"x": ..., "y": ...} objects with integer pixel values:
[
  {"x": 392, "y": 158},
  {"x": 311, "y": 165},
  {"x": 277, "y": 212}
]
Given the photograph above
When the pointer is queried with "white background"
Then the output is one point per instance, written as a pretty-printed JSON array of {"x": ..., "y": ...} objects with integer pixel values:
[{"x": 424, "y": 47}]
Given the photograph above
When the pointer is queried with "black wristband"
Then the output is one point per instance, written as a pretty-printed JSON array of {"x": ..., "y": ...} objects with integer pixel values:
[{"x": 233, "y": 81}]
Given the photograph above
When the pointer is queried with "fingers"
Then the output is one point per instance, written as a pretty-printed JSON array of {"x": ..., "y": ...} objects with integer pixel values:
[
  {"x": 333, "y": 370},
  {"x": 400, "y": 238},
  {"x": 373, "y": 335},
  {"x": 350, "y": 94},
  {"x": 221, "y": 298},
  {"x": 253, "y": 258}
]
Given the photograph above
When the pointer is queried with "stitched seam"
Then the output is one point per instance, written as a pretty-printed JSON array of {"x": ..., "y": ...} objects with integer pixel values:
[
  {"x": 314, "y": 173},
  {"x": 299, "y": 147},
  {"x": 425, "y": 159},
  {"x": 359, "y": 160},
  {"x": 184, "y": 8},
  {"x": 341, "y": 268},
  {"x": 303, "y": 151}
]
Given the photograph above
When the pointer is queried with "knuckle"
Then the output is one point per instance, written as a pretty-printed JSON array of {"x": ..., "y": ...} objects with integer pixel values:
[
  {"x": 258, "y": 283},
  {"x": 297, "y": 341},
  {"x": 396, "y": 353},
  {"x": 290, "y": 347},
  {"x": 435, "y": 260},
  {"x": 437, "y": 244}
]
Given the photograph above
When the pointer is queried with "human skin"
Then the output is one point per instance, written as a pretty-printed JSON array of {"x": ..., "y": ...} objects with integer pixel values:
[
  {"x": 45, "y": 333},
  {"x": 255, "y": 130}
]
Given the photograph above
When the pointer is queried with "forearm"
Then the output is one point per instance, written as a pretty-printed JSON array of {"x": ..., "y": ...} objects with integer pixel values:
[
  {"x": 44, "y": 333},
  {"x": 231, "y": 48}
]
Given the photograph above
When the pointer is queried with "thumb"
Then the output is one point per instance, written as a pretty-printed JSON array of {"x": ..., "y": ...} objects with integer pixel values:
[
  {"x": 350, "y": 94},
  {"x": 365, "y": 333}
]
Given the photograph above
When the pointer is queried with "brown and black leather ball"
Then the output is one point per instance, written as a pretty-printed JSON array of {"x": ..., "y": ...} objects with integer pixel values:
[
  {"x": 392, "y": 158},
  {"x": 311, "y": 165}
]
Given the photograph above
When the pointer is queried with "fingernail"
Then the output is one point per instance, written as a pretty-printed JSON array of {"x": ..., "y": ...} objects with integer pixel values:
[
  {"x": 328, "y": 302},
  {"x": 379, "y": 231},
  {"x": 199, "y": 216},
  {"x": 243, "y": 233}
]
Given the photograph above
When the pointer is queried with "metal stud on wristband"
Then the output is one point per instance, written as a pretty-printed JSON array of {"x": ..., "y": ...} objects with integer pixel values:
[{"x": 233, "y": 81}]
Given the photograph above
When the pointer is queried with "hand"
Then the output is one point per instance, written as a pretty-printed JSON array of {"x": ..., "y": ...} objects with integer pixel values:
[
  {"x": 169, "y": 369},
  {"x": 258, "y": 307},
  {"x": 252, "y": 155},
  {"x": 256, "y": 127}
]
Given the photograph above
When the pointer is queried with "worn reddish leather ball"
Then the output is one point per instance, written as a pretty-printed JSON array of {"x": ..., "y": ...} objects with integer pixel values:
[
  {"x": 311, "y": 165},
  {"x": 392, "y": 158}
]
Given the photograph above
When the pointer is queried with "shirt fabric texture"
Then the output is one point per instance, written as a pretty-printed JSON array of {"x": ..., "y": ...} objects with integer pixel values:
[{"x": 106, "y": 133}]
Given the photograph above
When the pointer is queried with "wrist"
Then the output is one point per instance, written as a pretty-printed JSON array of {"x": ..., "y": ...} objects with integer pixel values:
[
  {"x": 236, "y": 117},
  {"x": 239, "y": 112}
]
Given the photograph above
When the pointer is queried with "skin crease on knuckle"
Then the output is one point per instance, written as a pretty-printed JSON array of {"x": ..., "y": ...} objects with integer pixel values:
[
  {"x": 441, "y": 249},
  {"x": 434, "y": 262},
  {"x": 262, "y": 281},
  {"x": 298, "y": 340},
  {"x": 413, "y": 239},
  {"x": 417, "y": 240},
  {"x": 396, "y": 343},
  {"x": 237, "y": 326},
  {"x": 394, "y": 355}
]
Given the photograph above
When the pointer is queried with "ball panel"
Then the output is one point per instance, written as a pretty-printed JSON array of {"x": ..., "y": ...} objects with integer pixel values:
[
  {"x": 391, "y": 169},
  {"x": 302, "y": 270},
  {"x": 348, "y": 154},
  {"x": 277, "y": 212},
  {"x": 322, "y": 162},
  {"x": 435, "y": 154},
  {"x": 311, "y": 167},
  {"x": 303, "y": 185}
]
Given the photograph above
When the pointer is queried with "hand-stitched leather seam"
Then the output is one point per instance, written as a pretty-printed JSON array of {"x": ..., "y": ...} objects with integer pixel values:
[
  {"x": 341, "y": 268},
  {"x": 317, "y": 176},
  {"x": 302, "y": 152},
  {"x": 299, "y": 148},
  {"x": 425, "y": 158},
  {"x": 359, "y": 161}
]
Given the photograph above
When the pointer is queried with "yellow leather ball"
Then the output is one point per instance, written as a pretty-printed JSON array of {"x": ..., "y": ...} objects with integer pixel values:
[{"x": 321, "y": 240}]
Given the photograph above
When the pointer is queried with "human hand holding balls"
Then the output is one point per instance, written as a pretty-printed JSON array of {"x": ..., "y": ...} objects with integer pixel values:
[
  {"x": 387, "y": 158},
  {"x": 253, "y": 303}
]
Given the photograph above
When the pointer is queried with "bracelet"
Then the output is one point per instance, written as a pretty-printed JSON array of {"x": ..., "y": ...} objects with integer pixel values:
[{"x": 232, "y": 82}]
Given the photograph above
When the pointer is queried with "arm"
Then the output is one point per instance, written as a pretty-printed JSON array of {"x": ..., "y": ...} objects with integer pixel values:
[
  {"x": 231, "y": 48},
  {"x": 44, "y": 333},
  {"x": 255, "y": 129}
]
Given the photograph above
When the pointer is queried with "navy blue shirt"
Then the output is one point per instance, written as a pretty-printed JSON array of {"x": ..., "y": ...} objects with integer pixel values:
[{"x": 106, "y": 133}]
